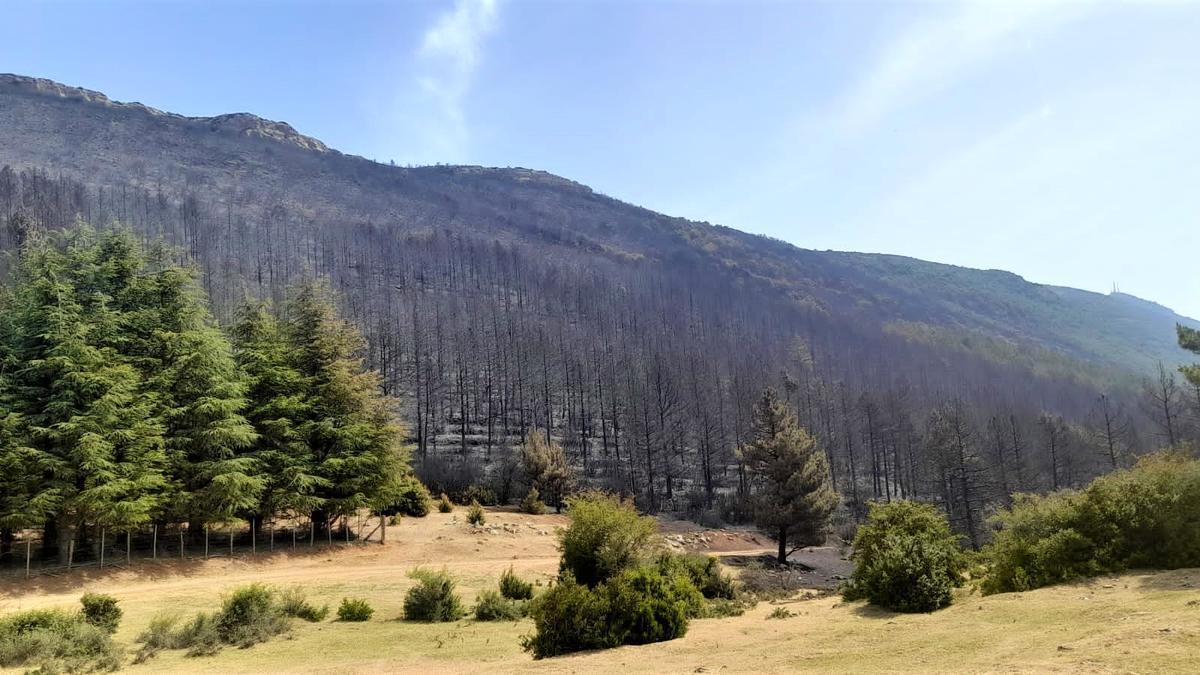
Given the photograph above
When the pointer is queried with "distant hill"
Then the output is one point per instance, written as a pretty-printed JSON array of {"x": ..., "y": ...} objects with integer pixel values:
[
  {"x": 84, "y": 134},
  {"x": 499, "y": 298}
]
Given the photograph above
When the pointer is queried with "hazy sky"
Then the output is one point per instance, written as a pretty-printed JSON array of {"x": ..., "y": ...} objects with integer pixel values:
[{"x": 1060, "y": 141}]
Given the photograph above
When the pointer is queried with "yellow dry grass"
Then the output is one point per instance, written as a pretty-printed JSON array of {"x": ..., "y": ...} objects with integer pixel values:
[{"x": 1137, "y": 623}]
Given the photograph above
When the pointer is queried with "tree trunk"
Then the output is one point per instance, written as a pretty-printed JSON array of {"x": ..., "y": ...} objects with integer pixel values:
[
  {"x": 783, "y": 545},
  {"x": 66, "y": 534},
  {"x": 49, "y": 538}
]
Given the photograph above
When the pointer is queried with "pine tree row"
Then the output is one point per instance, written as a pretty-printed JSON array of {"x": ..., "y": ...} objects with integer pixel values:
[{"x": 123, "y": 404}]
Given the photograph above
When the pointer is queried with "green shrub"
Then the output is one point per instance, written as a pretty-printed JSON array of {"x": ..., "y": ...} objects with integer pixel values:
[
  {"x": 1146, "y": 517},
  {"x": 355, "y": 609},
  {"x": 101, "y": 611},
  {"x": 475, "y": 514},
  {"x": 1140, "y": 517},
  {"x": 292, "y": 602},
  {"x": 606, "y": 535},
  {"x": 570, "y": 617},
  {"x": 647, "y": 606},
  {"x": 412, "y": 499},
  {"x": 433, "y": 598},
  {"x": 248, "y": 615},
  {"x": 493, "y": 606},
  {"x": 638, "y": 606},
  {"x": 55, "y": 620},
  {"x": 199, "y": 636},
  {"x": 513, "y": 587},
  {"x": 906, "y": 558},
  {"x": 444, "y": 505},
  {"x": 54, "y": 640},
  {"x": 1038, "y": 544},
  {"x": 532, "y": 503},
  {"x": 704, "y": 572}
]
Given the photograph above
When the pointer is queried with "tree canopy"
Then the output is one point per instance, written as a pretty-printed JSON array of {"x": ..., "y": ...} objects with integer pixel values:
[
  {"x": 795, "y": 494},
  {"x": 123, "y": 403}
]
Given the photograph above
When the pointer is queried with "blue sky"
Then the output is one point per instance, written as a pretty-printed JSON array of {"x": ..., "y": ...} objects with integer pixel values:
[{"x": 1058, "y": 140}]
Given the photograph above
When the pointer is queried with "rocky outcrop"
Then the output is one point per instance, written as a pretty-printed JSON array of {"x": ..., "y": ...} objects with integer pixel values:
[{"x": 239, "y": 124}]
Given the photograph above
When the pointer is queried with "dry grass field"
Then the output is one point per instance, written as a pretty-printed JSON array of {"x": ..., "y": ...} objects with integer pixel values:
[{"x": 1137, "y": 623}]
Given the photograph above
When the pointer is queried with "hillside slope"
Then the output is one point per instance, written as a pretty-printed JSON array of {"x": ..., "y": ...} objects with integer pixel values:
[
  {"x": 495, "y": 301},
  {"x": 82, "y": 133}
]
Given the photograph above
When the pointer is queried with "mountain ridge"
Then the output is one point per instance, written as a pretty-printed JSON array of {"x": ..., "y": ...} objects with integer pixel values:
[
  {"x": 111, "y": 142},
  {"x": 244, "y": 123}
]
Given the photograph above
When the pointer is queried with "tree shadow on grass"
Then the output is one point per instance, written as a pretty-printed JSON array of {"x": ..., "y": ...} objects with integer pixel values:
[
  {"x": 868, "y": 611},
  {"x": 1187, "y": 579}
]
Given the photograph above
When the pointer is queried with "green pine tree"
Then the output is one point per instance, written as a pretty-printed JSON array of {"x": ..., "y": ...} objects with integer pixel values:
[
  {"x": 187, "y": 363},
  {"x": 86, "y": 436},
  {"x": 795, "y": 495},
  {"x": 278, "y": 405},
  {"x": 349, "y": 427}
]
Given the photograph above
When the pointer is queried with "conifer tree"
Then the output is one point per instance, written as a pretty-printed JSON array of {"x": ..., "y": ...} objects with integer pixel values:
[
  {"x": 15, "y": 488},
  {"x": 187, "y": 363},
  {"x": 795, "y": 495},
  {"x": 277, "y": 406},
  {"x": 349, "y": 429},
  {"x": 87, "y": 438}
]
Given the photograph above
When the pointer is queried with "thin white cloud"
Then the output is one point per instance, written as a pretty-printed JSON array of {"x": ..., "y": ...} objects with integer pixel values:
[
  {"x": 936, "y": 51},
  {"x": 450, "y": 54}
]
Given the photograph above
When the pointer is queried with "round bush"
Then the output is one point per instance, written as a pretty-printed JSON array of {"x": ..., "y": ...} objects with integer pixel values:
[
  {"x": 250, "y": 615},
  {"x": 101, "y": 611},
  {"x": 444, "y": 505},
  {"x": 412, "y": 499},
  {"x": 907, "y": 558},
  {"x": 570, "y": 617},
  {"x": 493, "y": 606},
  {"x": 355, "y": 609},
  {"x": 433, "y": 598},
  {"x": 645, "y": 606},
  {"x": 637, "y": 606},
  {"x": 606, "y": 536}
]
